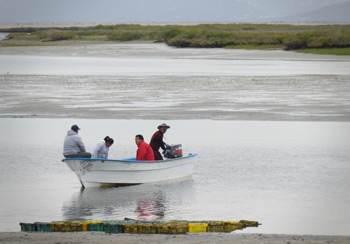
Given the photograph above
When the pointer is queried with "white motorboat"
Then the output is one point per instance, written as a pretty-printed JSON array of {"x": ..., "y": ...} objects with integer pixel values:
[{"x": 93, "y": 172}]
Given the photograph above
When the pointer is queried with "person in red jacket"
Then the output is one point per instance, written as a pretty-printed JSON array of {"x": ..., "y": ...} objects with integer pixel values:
[
  {"x": 144, "y": 151},
  {"x": 157, "y": 141}
]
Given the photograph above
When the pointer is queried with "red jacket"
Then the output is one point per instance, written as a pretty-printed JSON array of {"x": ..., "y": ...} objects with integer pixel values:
[{"x": 144, "y": 152}]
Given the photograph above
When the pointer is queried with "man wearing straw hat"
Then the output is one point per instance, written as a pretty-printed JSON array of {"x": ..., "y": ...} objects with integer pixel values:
[{"x": 157, "y": 141}]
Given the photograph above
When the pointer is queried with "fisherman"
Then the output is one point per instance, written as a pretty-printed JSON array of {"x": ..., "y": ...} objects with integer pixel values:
[
  {"x": 157, "y": 141},
  {"x": 144, "y": 151},
  {"x": 73, "y": 146},
  {"x": 102, "y": 148}
]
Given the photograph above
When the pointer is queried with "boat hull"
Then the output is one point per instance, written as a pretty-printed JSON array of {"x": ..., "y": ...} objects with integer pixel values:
[{"x": 97, "y": 172}]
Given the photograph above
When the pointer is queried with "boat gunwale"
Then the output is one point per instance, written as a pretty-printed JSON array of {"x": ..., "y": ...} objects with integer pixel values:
[{"x": 131, "y": 160}]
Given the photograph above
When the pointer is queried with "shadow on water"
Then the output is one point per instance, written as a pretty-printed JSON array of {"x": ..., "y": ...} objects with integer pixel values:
[{"x": 145, "y": 201}]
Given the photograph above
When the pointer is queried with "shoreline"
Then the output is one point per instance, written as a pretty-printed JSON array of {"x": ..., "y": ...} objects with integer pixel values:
[
  {"x": 43, "y": 34},
  {"x": 101, "y": 238},
  {"x": 177, "y": 117}
]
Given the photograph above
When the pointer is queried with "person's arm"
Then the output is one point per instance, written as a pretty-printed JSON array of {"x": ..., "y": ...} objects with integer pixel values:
[
  {"x": 162, "y": 145},
  {"x": 141, "y": 153},
  {"x": 160, "y": 141},
  {"x": 107, "y": 153},
  {"x": 81, "y": 144},
  {"x": 97, "y": 150}
]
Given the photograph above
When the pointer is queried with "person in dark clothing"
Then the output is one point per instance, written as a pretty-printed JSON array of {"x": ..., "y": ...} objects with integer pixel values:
[{"x": 157, "y": 141}]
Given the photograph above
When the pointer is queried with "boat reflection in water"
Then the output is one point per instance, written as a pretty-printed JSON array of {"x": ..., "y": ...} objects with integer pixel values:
[
  {"x": 152, "y": 201},
  {"x": 151, "y": 209}
]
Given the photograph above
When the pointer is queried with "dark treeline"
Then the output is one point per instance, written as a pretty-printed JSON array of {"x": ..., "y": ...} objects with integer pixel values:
[{"x": 289, "y": 37}]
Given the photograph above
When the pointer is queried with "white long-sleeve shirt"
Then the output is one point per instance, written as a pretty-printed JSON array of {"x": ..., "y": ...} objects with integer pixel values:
[{"x": 101, "y": 150}]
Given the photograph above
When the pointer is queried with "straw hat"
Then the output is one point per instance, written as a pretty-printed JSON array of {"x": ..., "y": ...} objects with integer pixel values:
[{"x": 163, "y": 125}]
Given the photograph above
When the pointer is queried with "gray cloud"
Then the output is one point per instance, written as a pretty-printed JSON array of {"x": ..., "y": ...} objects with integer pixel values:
[{"x": 37, "y": 11}]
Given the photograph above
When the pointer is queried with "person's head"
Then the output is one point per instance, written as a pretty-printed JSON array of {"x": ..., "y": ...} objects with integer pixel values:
[
  {"x": 163, "y": 128},
  {"x": 75, "y": 128},
  {"x": 138, "y": 139},
  {"x": 109, "y": 141}
]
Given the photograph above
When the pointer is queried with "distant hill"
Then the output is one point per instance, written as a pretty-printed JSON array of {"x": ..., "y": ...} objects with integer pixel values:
[
  {"x": 281, "y": 8},
  {"x": 128, "y": 11},
  {"x": 333, "y": 13},
  {"x": 205, "y": 11}
]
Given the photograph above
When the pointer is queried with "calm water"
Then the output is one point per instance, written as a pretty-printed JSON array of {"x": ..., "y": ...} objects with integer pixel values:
[
  {"x": 158, "y": 59},
  {"x": 291, "y": 176}
]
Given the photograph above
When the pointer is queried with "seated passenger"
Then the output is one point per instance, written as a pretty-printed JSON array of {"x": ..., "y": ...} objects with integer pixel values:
[
  {"x": 73, "y": 146},
  {"x": 144, "y": 151},
  {"x": 102, "y": 148}
]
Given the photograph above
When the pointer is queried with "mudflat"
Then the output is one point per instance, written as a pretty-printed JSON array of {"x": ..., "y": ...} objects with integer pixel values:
[
  {"x": 283, "y": 98},
  {"x": 153, "y": 81}
]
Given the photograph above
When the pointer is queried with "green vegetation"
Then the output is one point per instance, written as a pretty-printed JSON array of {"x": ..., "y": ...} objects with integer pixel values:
[
  {"x": 310, "y": 38},
  {"x": 327, "y": 51},
  {"x": 256, "y": 47}
]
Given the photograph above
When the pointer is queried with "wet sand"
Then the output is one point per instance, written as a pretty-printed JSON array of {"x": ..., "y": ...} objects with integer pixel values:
[
  {"x": 260, "y": 85},
  {"x": 276, "y": 98},
  {"x": 102, "y": 238}
]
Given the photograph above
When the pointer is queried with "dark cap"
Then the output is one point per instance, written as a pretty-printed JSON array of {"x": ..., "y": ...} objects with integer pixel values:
[{"x": 75, "y": 127}]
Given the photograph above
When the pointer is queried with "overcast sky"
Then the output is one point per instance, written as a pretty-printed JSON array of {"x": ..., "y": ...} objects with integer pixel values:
[{"x": 37, "y": 11}]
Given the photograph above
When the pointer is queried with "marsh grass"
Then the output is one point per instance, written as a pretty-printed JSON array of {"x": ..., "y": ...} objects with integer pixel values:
[
  {"x": 248, "y": 36},
  {"x": 327, "y": 51},
  {"x": 11, "y": 43},
  {"x": 256, "y": 47}
]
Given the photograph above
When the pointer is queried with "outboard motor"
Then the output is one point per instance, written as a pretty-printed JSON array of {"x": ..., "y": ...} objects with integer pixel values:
[{"x": 173, "y": 151}]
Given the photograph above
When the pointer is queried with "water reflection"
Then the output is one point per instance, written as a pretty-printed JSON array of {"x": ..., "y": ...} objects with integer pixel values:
[
  {"x": 145, "y": 202},
  {"x": 78, "y": 210},
  {"x": 152, "y": 208}
]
